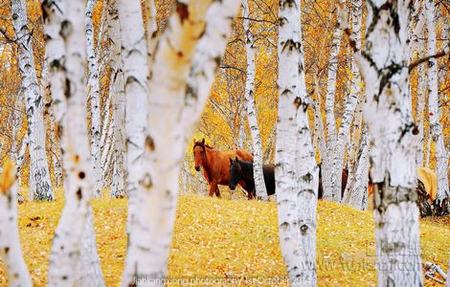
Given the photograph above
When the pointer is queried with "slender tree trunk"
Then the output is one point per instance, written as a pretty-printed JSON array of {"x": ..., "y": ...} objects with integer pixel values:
[
  {"x": 73, "y": 258},
  {"x": 54, "y": 57},
  {"x": 351, "y": 101},
  {"x": 40, "y": 184},
  {"x": 181, "y": 106},
  {"x": 117, "y": 92},
  {"x": 448, "y": 275},
  {"x": 296, "y": 173},
  {"x": 10, "y": 250},
  {"x": 356, "y": 190},
  {"x": 443, "y": 194},
  {"x": 332, "y": 176},
  {"x": 94, "y": 96},
  {"x": 260, "y": 186},
  {"x": 384, "y": 66},
  {"x": 135, "y": 71}
]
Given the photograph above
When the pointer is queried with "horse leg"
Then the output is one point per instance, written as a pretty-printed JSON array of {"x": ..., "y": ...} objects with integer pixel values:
[
  {"x": 217, "y": 191},
  {"x": 212, "y": 188}
]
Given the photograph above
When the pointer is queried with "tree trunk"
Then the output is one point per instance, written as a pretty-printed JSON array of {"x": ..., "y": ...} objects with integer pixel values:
[
  {"x": 356, "y": 190},
  {"x": 10, "y": 250},
  {"x": 40, "y": 184},
  {"x": 54, "y": 57},
  {"x": 174, "y": 110},
  {"x": 351, "y": 101},
  {"x": 93, "y": 95},
  {"x": 68, "y": 259},
  {"x": 332, "y": 176},
  {"x": 296, "y": 173},
  {"x": 260, "y": 186},
  {"x": 443, "y": 193},
  {"x": 117, "y": 92},
  {"x": 384, "y": 66}
]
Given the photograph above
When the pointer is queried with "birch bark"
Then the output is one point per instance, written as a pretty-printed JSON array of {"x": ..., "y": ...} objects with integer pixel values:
[
  {"x": 332, "y": 176},
  {"x": 40, "y": 184},
  {"x": 384, "y": 66},
  {"x": 118, "y": 97},
  {"x": 55, "y": 59},
  {"x": 10, "y": 250},
  {"x": 94, "y": 96},
  {"x": 73, "y": 263},
  {"x": 260, "y": 186},
  {"x": 296, "y": 172},
  {"x": 443, "y": 193},
  {"x": 151, "y": 230}
]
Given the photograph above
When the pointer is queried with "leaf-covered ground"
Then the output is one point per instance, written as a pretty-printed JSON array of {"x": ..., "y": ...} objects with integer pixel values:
[{"x": 236, "y": 240}]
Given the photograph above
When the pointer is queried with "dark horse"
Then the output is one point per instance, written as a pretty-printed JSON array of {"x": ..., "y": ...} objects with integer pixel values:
[
  {"x": 216, "y": 165},
  {"x": 243, "y": 170}
]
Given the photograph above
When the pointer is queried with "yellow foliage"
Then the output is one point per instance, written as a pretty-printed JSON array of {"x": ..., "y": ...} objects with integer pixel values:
[
  {"x": 235, "y": 239},
  {"x": 8, "y": 176}
]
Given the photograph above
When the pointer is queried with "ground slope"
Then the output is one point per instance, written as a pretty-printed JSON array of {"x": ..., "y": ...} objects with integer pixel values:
[{"x": 236, "y": 240}]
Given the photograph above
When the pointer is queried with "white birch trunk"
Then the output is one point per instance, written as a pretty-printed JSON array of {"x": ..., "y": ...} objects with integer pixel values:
[
  {"x": 351, "y": 101},
  {"x": 73, "y": 263},
  {"x": 10, "y": 250},
  {"x": 175, "y": 108},
  {"x": 40, "y": 184},
  {"x": 296, "y": 172},
  {"x": 117, "y": 92},
  {"x": 443, "y": 192},
  {"x": 152, "y": 33},
  {"x": 384, "y": 66},
  {"x": 332, "y": 176},
  {"x": 94, "y": 96},
  {"x": 447, "y": 284},
  {"x": 356, "y": 192},
  {"x": 54, "y": 57},
  {"x": 260, "y": 186},
  {"x": 135, "y": 71}
]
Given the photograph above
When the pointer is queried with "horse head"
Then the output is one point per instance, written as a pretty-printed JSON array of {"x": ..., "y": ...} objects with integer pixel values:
[
  {"x": 235, "y": 173},
  {"x": 199, "y": 151}
]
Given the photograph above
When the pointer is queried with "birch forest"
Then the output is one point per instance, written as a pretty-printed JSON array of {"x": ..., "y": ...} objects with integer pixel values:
[{"x": 224, "y": 143}]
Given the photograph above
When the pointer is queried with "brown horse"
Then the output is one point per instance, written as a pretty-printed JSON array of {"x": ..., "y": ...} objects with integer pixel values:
[{"x": 216, "y": 164}]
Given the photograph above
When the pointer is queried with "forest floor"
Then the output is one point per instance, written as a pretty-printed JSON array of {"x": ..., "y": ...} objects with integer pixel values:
[{"x": 235, "y": 240}]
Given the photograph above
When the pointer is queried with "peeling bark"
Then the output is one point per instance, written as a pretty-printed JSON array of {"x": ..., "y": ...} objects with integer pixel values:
[
  {"x": 443, "y": 193},
  {"x": 384, "y": 66},
  {"x": 188, "y": 54},
  {"x": 40, "y": 184},
  {"x": 94, "y": 96},
  {"x": 73, "y": 258},
  {"x": 296, "y": 172}
]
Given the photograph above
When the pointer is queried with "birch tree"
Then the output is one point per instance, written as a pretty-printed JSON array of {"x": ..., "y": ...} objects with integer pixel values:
[
  {"x": 443, "y": 194},
  {"x": 118, "y": 97},
  {"x": 93, "y": 95},
  {"x": 55, "y": 60},
  {"x": 250, "y": 48},
  {"x": 10, "y": 250},
  {"x": 384, "y": 66},
  {"x": 174, "y": 110},
  {"x": 40, "y": 184},
  {"x": 296, "y": 172},
  {"x": 73, "y": 258}
]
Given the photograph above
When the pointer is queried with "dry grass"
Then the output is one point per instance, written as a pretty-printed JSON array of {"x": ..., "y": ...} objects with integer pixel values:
[{"x": 229, "y": 239}]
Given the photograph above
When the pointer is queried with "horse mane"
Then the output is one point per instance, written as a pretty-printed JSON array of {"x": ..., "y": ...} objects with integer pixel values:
[{"x": 200, "y": 144}]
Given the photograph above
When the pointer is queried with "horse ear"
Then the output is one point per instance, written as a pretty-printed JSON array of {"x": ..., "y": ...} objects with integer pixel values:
[
  {"x": 231, "y": 160},
  {"x": 203, "y": 141}
]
